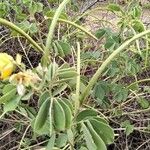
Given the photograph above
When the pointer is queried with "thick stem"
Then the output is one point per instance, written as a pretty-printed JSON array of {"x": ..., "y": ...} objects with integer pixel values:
[
  {"x": 52, "y": 27},
  {"x": 106, "y": 63},
  {"x": 20, "y": 31}
]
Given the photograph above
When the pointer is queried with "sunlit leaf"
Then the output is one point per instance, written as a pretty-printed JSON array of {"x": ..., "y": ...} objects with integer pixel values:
[{"x": 42, "y": 115}]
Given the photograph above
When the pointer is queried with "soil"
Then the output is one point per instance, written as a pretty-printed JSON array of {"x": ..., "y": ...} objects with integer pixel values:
[{"x": 92, "y": 24}]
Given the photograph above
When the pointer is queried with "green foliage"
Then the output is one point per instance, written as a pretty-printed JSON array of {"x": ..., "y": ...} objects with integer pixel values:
[
  {"x": 59, "y": 117},
  {"x": 86, "y": 114},
  {"x": 50, "y": 13},
  {"x": 24, "y": 13},
  {"x": 95, "y": 136},
  {"x": 68, "y": 114},
  {"x": 8, "y": 93},
  {"x": 143, "y": 103},
  {"x": 49, "y": 104},
  {"x": 114, "y": 7},
  {"x": 113, "y": 40},
  {"x": 128, "y": 127},
  {"x": 102, "y": 91},
  {"x": 61, "y": 48},
  {"x": 120, "y": 93},
  {"x": 12, "y": 104},
  {"x": 42, "y": 115},
  {"x": 51, "y": 142}
]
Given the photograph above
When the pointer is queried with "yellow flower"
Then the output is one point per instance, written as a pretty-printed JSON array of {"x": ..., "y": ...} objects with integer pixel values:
[{"x": 6, "y": 65}]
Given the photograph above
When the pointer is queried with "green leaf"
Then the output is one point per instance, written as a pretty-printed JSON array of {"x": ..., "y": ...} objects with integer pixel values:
[
  {"x": 65, "y": 47},
  {"x": 100, "y": 33},
  {"x": 90, "y": 55},
  {"x": 44, "y": 130},
  {"x": 24, "y": 25},
  {"x": 83, "y": 148},
  {"x": 21, "y": 16},
  {"x": 147, "y": 89},
  {"x": 64, "y": 69},
  {"x": 119, "y": 92},
  {"x": 110, "y": 43},
  {"x": 55, "y": 48},
  {"x": 58, "y": 116},
  {"x": 103, "y": 130},
  {"x": 68, "y": 103},
  {"x": 33, "y": 28},
  {"x": 3, "y": 9},
  {"x": 12, "y": 104},
  {"x": 8, "y": 96},
  {"x": 144, "y": 103},
  {"x": 65, "y": 65},
  {"x": 39, "y": 7},
  {"x": 129, "y": 129},
  {"x": 51, "y": 117},
  {"x": 31, "y": 111},
  {"x": 88, "y": 138},
  {"x": 59, "y": 49},
  {"x": 27, "y": 96},
  {"x": 84, "y": 114},
  {"x": 100, "y": 119},
  {"x": 60, "y": 89},
  {"x": 51, "y": 142},
  {"x": 114, "y": 7},
  {"x": 43, "y": 97},
  {"x": 7, "y": 88},
  {"x": 51, "y": 73},
  {"x": 26, "y": 1},
  {"x": 97, "y": 139},
  {"x": 68, "y": 114},
  {"x": 138, "y": 26},
  {"x": 42, "y": 115},
  {"x": 99, "y": 91},
  {"x": 67, "y": 74},
  {"x": 61, "y": 140},
  {"x": 70, "y": 136},
  {"x": 128, "y": 126},
  {"x": 27, "y": 27},
  {"x": 134, "y": 87},
  {"x": 136, "y": 12},
  {"x": 50, "y": 13},
  {"x": 35, "y": 7}
]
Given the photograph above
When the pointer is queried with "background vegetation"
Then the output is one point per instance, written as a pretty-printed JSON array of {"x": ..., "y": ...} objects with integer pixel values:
[{"x": 81, "y": 76}]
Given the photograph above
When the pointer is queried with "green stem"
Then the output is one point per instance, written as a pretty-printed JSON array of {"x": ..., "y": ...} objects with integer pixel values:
[
  {"x": 136, "y": 111},
  {"x": 106, "y": 63},
  {"x": 77, "y": 26},
  {"x": 137, "y": 42},
  {"x": 20, "y": 31},
  {"x": 77, "y": 102},
  {"x": 52, "y": 27},
  {"x": 147, "y": 51},
  {"x": 139, "y": 81}
]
